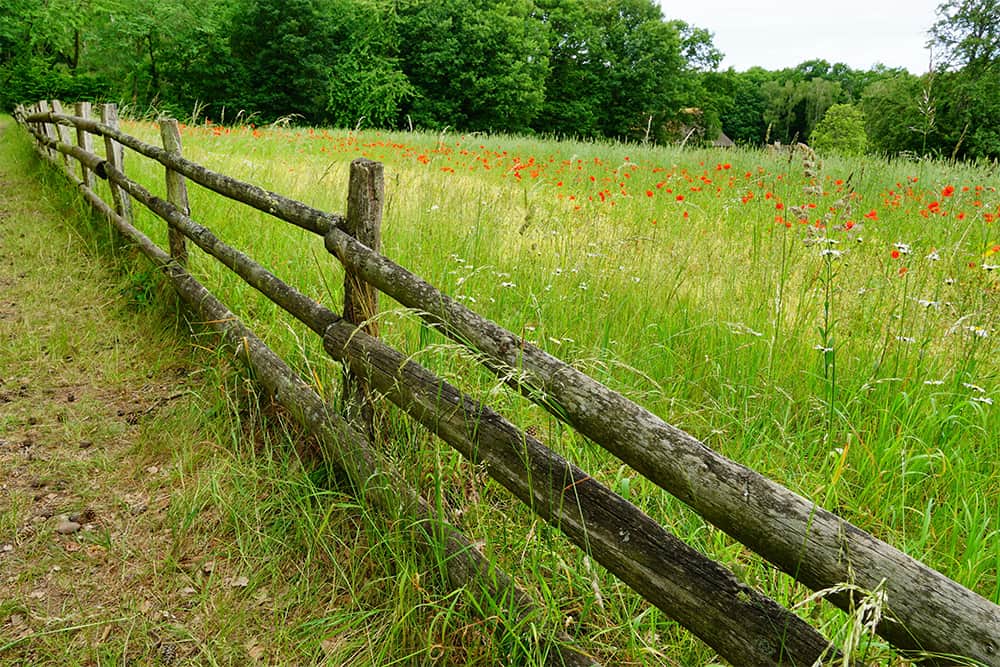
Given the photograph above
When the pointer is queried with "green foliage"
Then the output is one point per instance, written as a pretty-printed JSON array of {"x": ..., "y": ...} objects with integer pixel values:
[
  {"x": 365, "y": 81},
  {"x": 899, "y": 115},
  {"x": 737, "y": 99},
  {"x": 283, "y": 46},
  {"x": 968, "y": 34},
  {"x": 474, "y": 64},
  {"x": 643, "y": 71},
  {"x": 324, "y": 61},
  {"x": 582, "y": 68},
  {"x": 841, "y": 130},
  {"x": 575, "y": 86},
  {"x": 617, "y": 68},
  {"x": 794, "y": 108}
]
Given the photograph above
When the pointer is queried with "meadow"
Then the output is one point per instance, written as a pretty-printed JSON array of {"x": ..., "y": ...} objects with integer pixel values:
[{"x": 831, "y": 323}]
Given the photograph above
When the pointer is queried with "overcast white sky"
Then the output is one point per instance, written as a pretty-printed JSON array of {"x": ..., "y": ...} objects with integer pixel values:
[{"x": 776, "y": 34}]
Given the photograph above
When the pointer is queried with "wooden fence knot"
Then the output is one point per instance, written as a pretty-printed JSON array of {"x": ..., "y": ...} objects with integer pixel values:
[{"x": 102, "y": 170}]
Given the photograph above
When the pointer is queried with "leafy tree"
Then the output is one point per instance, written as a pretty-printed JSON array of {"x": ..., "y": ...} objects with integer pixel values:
[
  {"x": 576, "y": 89},
  {"x": 644, "y": 69},
  {"x": 366, "y": 80},
  {"x": 968, "y": 34},
  {"x": 738, "y": 101},
  {"x": 283, "y": 45},
  {"x": 40, "y": 52},
  {"x": 794, "y": 108},
  {"x": 473, "y": 64},
  {"x": 899, "y": 114},
  {"x": 841, "y": 130},
  {"x": 697, "y": 47}
]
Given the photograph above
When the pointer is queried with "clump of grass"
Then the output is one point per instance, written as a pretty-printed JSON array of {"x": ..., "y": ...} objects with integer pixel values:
[{"x": 832, "y": 326}]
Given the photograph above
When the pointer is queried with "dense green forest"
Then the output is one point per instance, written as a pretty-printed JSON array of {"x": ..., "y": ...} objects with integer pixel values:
[{"x": 585, "y": 68}]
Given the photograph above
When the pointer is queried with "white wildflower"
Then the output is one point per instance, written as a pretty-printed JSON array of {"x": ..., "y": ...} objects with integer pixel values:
[
  {"x": 933, "y": 256},
  {"x": 982, "y": 399},
  {"x": 903, "y": 248},
  {"x": 978, "y": 331}
]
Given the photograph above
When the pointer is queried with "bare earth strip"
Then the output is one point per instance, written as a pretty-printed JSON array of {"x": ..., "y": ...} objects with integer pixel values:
[{"x": 102, "y": 560}]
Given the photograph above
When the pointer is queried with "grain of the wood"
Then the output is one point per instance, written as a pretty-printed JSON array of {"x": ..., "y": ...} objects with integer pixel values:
[
  {"x": 345, "y": 447},
  {"x": 365, "y": 195},
  {"x": 176, "y": 189},
  {"x": 63, "y": 132},
  {"x": 285, "y": 208},
  {"x": 928, "y": 611},
  {"x": 317, "y": 318},
  {"x": 741, "y": 624},
  {"x": 86, "y": 142},
  {"x": 116, "y": 157},
  {"x": 47, "y": 128}
]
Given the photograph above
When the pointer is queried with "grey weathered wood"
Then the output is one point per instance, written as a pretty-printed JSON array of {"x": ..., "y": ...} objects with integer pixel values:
[
  {"x": 94, "y": 163},
  {"x": 48, "y": 129},
  {"x": 285, "y": 208},
  {"x": 316, "y": 317},
  {"x": 176, "y": 188},
  {"x": 344, "y": 446},
  {"x": 929, "y": 612},
  {"x": 116, "y": 157},
  {"x": 365, "y": 195},
  {"x": 86, "y": 142},
  {"x": 62, "y": 132},
  {"x": 744, "y": 626}
]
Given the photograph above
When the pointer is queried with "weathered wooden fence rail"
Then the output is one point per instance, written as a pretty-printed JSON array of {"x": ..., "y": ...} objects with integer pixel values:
[{"x": 927, "y": 614}]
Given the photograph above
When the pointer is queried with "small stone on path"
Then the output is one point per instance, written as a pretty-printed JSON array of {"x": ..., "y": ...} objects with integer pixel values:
[{"x": 67, "y": 527}]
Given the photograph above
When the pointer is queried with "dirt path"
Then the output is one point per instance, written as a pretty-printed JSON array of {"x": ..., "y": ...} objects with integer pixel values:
[{"x": 94, "y": 396}]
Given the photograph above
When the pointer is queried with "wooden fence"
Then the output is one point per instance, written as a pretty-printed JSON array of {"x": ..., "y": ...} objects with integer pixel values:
[{"x": 926, "y": 616}]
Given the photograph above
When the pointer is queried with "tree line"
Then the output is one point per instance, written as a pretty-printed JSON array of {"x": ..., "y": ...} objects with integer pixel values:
[{"x": 575, "y": 68}]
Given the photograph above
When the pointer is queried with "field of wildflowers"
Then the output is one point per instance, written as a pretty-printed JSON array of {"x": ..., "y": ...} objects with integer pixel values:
[{"x": 831, "y": 323}]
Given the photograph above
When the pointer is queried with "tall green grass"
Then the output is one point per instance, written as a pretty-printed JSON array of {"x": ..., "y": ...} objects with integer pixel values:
[{"x": 829, "y": 323}]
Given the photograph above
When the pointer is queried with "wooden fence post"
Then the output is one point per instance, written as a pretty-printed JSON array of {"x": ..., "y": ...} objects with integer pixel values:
[
  {"x": 115, "y": 155},
  {"x": 47, "y": 129},
  {"x": 86, "y": 142},
  {"x": 176, "y": 188},
  {"x": 63, "y": 132},
  {"x": 365, "y": 197}
]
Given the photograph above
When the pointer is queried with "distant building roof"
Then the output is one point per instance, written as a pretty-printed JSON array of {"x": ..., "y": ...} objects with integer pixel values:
[{"x": 722, "y": 141}]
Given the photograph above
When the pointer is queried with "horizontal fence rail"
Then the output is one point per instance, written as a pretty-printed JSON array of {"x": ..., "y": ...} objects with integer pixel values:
[
  {"x": 344, "y": 446},
  {"x": 741, "y": 624},
  {"x": 926, "y": 612}
]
